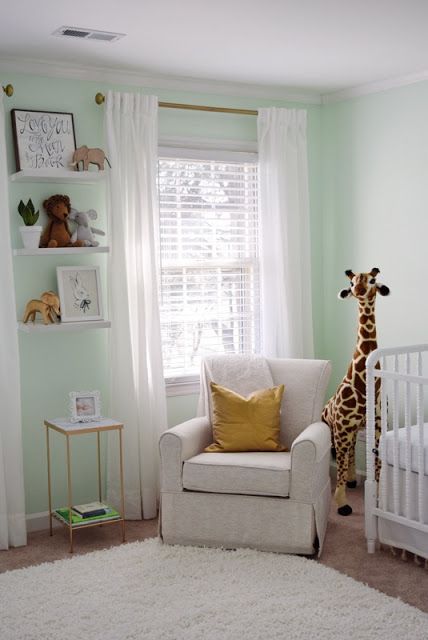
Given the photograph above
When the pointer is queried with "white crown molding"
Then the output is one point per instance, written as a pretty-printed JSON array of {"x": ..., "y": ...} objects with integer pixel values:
[
  {"x": 135, "y": 78},
  {"x": 143, "y": 79},
  {"x": 374, "y": 87}
]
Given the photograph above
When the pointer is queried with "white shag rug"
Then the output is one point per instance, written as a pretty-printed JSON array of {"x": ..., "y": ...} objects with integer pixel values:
[{"x": 149, "y": 591}]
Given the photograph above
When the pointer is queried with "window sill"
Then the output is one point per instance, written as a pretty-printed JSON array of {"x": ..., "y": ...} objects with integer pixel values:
[{"x": 182, "y": 388}]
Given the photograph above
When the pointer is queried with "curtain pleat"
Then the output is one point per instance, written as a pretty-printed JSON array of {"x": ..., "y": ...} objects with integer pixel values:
[
  {"x": 286, "y": 302},
  {"x": 137, "y": 383}
]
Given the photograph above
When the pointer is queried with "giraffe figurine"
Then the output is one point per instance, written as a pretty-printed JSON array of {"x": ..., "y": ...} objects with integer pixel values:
[{"x": 345, "y": 412}]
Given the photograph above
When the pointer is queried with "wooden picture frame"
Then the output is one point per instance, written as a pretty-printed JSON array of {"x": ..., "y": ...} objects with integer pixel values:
[
  {"x": 85, "y": 406},
  {"x": 43, "y": 139},
  {"x": 80, "y": 293}
]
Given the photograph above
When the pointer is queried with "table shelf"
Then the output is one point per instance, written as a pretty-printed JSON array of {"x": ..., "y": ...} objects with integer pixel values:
[{"x": 77, "y": 525}]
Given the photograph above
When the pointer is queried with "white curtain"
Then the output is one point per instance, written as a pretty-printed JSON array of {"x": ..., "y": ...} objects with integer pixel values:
[
  {"x": 12, "y": 501},
  {"x": 287, "y": 330},
  {"x": 137, "y": 384}
]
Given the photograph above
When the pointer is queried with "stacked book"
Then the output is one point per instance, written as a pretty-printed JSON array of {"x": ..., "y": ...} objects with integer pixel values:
[{"x": 84, "y": 514}]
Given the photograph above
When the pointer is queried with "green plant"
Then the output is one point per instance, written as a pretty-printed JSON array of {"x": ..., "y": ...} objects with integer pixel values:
[{"x": 28, "y": 213}]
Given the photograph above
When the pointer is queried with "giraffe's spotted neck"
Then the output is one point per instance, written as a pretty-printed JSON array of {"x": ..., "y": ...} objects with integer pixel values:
[{"x": 366, "y": 337}]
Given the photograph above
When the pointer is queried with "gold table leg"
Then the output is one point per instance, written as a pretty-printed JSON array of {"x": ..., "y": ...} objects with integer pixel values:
[
  {"x": 122, "y": 491},
  {"x": 70, "y": 499},
  {"x": 49, "y": 480},
  {"x": 99, "y": 466}
]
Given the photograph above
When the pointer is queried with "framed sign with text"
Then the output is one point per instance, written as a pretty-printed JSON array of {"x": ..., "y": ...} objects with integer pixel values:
[{"x": 43, "y": 139}]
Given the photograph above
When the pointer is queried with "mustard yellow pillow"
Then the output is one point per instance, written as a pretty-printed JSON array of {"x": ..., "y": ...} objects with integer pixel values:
[{"x": 246, "y": 424}]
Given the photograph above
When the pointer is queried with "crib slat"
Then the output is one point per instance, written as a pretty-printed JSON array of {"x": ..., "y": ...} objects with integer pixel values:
[
  {"x": 384, "y": 428},
  {"x": 395, "y": 443},
  {"x": 421, "y": 457},
  {"x": 370, "y": 424},
  {"x": 407, "y": 424},
  {"x": 370, "y": 485},
  {"x": 420, "y": 421}
]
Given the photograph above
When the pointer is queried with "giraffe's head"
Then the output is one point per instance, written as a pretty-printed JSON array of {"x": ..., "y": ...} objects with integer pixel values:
[{"x": 363, "y": 286}]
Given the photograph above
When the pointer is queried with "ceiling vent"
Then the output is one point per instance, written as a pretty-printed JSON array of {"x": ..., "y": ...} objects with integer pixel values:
[{"x": 87, "y": 34}]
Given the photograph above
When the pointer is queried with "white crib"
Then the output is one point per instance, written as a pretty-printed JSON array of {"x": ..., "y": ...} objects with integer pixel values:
[{"x": 396, "y": 511}]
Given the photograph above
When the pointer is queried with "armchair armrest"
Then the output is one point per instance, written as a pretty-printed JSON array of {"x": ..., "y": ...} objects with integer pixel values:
[
  {"x": 179, "y": 444},
  {"x": 310, "y": 462}
]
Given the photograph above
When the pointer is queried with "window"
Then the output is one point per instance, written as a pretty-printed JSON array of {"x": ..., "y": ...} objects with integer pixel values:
[{"x": 209, "y": 261}]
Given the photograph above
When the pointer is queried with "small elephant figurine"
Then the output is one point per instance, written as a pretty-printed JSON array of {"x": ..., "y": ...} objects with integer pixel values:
[
  {"x": 89, "y": 156},
  {"x": 47, "y": 306},
  {"x": 83, "y": 232}
]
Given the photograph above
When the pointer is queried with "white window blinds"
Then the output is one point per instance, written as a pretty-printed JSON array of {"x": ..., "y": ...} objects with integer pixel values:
[{"x": 209, "y": 261}]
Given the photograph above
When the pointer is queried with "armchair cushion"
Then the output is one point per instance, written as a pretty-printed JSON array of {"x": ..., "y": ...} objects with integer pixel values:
[
  {"x": 246, "y": 424},
  {"x": 250, "y": 473}
]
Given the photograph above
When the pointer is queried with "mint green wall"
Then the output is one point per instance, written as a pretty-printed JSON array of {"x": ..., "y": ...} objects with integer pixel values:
[
  {"x": 376, "y": 202},
  {"x": 53, "y": 365},
  {"x": 375, "y": 177}
]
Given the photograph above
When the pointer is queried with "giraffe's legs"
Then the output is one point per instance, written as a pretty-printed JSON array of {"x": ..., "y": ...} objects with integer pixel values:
[
  {"x": 351, "y": 482},
  {"x": 343, "y": 507}
]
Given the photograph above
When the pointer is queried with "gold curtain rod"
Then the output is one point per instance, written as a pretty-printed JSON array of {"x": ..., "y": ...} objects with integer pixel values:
[
  {"x": 100, "y": 99},
  {"x": 8, "y": 89}
]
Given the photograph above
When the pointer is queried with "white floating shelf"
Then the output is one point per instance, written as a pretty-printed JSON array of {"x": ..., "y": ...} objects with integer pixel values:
[
  {"x": 60, "y": 251},
  {"x": 58, "y": 175},
  {"x": 38, "y": 327}
]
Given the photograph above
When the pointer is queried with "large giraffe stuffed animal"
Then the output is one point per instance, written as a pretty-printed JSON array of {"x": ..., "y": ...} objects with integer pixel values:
[{"x": 345, "y": 412}]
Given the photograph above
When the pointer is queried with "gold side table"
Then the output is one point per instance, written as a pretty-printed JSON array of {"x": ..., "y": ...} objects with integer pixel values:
[{"x": 69, "y": 429}]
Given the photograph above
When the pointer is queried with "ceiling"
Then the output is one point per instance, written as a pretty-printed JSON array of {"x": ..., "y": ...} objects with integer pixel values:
[{"x": 311, "y": 45}]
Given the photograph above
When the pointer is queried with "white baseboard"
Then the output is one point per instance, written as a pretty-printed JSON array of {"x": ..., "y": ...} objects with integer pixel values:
[{"x": 39, "y": 521}]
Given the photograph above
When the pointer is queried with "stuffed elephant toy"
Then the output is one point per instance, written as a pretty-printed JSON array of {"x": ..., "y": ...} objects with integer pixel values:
[
  {"x": 47, "y": 306},
  {"x": 84, "y": 231},
  {"x": 89, "y": 156}
]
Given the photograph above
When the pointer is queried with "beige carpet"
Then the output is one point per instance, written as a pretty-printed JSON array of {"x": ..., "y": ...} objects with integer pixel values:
[{"x": 344, "y": 550}]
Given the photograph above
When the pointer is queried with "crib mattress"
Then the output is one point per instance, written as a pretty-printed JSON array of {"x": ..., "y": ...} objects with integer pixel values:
[{"x": 414, "y": 448}]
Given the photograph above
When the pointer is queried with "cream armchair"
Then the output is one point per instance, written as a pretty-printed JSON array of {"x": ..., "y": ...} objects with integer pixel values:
[{"x": 264, "y": 500}]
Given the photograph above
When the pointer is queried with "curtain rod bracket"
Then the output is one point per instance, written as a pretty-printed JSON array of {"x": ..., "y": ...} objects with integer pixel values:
[{"x": 8, "y": 89}]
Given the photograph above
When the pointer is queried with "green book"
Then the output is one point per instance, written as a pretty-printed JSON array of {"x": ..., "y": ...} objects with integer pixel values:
[{"x": 77, "y": 520}]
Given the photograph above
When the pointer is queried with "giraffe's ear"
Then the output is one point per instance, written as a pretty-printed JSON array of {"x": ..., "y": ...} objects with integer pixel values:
[
  {"x": 344, "y": 293},
  {"x": 383, "y": 289}
]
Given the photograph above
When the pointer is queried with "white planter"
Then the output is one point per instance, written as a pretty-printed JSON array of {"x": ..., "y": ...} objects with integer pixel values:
[{"x": 31, "y": 236}]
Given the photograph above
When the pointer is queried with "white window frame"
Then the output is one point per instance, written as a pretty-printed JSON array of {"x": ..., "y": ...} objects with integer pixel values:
[{"x": 196, "y": 149}]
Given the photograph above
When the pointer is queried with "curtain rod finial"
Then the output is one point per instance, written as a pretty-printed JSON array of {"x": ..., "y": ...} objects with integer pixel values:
[
  {"x": 100, "y": 98},
  {"x": 8, "y": 89}
]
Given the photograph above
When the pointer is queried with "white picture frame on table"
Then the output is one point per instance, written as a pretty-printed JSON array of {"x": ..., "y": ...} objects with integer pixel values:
[
  {"x": 80, "y": 294},
  {"x": 85, "y": 406}
]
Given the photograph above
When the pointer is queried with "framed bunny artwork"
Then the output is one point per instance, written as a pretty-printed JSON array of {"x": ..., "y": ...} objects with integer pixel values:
[{"x": 80, "y": 294}]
